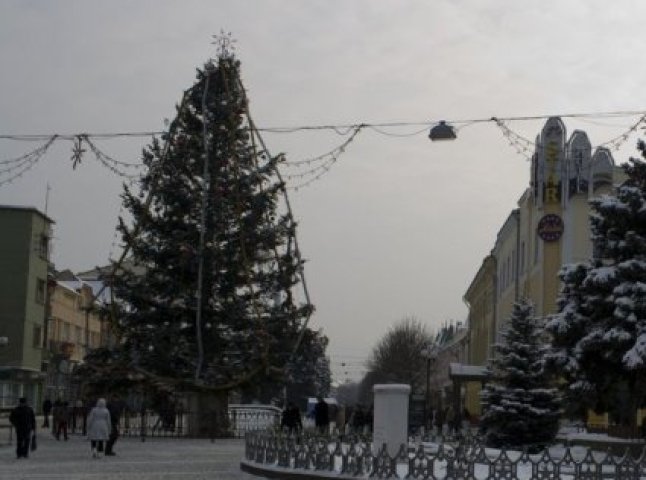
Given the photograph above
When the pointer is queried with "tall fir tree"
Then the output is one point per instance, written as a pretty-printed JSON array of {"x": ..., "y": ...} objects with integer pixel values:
[
  {"x": 306, "y": 375},
  {"x": 208, "y": 220},
  {"x": 521, "y": 409},
  {"x": 599, "y": 332}
]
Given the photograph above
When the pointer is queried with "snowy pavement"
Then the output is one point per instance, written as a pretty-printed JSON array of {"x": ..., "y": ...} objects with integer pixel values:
[{"x": 164, "y": 459}]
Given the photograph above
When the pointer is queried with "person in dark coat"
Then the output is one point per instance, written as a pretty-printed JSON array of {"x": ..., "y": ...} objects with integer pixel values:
[
  {"x": 358, "y": 419},
  {"x": 115, "y": 406},
  {"x": 369, "y": 418},
  {"x": 322, "y": 416},
  {"x": 47, "y": 409},
  {"x": 57, "y": 409},
  {"x": 24, "y": 423},
  {"x": 291, "y": 419},
  {"x": 62, "y": 420}
]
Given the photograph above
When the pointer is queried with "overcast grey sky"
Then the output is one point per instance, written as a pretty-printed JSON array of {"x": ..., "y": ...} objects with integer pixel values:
[{"x": 399, "y": 226}]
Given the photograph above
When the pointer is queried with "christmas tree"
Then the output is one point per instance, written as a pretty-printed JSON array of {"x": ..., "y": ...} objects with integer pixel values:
[
  {"x": 599, "y": 332},
  {"x": 306, "y": 375},
  {"x": 209, "y": 304},
  {"x": 520, "y": 407}
]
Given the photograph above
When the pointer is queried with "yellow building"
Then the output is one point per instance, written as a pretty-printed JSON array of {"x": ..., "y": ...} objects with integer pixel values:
[
  {"x": 549, "y": 228},
  {"x": 74, "y": 328}
]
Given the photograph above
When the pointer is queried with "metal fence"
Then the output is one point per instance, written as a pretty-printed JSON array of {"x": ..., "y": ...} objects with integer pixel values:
[
  {"x": 349, "y": 457},
  {"x": 236, "y": 422}
]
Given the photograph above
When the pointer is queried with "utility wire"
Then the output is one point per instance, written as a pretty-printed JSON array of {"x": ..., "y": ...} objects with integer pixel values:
[{"x": 341, "y": 129}]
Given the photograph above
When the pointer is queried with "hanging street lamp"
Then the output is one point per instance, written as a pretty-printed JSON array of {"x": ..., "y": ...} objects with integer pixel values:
[{"x": 442, "y": 131}]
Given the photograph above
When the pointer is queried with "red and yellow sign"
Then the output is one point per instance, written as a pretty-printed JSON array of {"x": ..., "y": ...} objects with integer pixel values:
[{"x": 550, "y": 227}]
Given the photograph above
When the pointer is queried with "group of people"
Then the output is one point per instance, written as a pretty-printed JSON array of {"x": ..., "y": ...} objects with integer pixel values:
[
  {"x": 101, "y": 424},
  {"x": 447, "y": 421},
  {"x": 356, "y": 419},
  {"x": 291, "y": 418}
]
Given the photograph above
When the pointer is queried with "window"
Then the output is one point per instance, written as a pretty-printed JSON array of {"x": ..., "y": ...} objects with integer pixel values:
[
  {"x": 66, "y": 332},
  {"x": 79, "y": 335},
  {"x": 522, "y": 257},
  {"x": 37, "y": 336},
  {"x": 508, "y": 271},
  {"x": 56, "y": 329},
  {"x": 513, "y": 264},
  {"x": 43, "y": 247},
  {"x": 40, "y": 290}
]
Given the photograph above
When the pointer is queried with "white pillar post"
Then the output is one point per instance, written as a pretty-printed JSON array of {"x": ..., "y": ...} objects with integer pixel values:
[{"x": 390, "y": 417}]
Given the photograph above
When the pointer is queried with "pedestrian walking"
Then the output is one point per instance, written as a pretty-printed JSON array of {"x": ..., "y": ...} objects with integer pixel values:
[
  {"x": 47, "y": 409},
  {"x": 24, "y": 423},
  {"x": 115, "y": 407},
  {"x": 357, "y": 419},
  {"x": 340, "y": 419},
  {"x": 322, "y": 416},
  {"x": 62, "y": 420},
  {"x": 369, "y": 418},
  {"x": 56, "y": 413},
  {"x": 291, "y": 419},
  {"x": 99, "y": 426},
  {"x": 77, "y": 415}
]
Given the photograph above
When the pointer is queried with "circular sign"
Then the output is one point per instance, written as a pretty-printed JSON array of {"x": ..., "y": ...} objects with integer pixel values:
[{"x": 550, "y": 227}]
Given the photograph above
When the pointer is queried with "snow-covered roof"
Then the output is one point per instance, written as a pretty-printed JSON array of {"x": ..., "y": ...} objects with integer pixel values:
[
  {"x": 468, "y": 371},
  {"x": 95, "y": 285}
]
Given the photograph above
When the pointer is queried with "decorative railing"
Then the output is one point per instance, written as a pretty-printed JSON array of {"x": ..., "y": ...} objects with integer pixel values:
[
  {"x": 236, "y": 422},
  {"x": 352, "y": 457}
]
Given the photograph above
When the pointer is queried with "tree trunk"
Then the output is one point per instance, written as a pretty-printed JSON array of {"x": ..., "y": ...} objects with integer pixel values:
[{"x": 207, "y": 414}]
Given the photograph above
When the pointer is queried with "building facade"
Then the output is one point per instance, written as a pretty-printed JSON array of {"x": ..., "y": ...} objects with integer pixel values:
[
  {"x": 548, "y": 229},
  {"x": 74, "y": 328},
  {"x": 24, "y": 264}
]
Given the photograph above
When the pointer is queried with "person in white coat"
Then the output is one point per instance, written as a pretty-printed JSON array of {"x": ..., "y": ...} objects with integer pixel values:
[{"x": 98, "y": 427}]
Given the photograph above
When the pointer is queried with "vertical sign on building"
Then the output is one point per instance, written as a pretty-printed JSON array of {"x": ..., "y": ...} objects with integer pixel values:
[{"x": 551, "y": 156}]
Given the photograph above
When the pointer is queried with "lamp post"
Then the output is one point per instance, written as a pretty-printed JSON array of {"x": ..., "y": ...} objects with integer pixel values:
[{"x": 429, "y": 353}]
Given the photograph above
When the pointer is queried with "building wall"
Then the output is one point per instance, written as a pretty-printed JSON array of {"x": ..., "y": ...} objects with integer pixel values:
[
  {"x": 24, "y": 252},
  {"x": 481, "y": 301},
  {"x": 565, "y": 175},
  {"x": 14, "y": 276},
  {"x": 505, "y": 252},
  {"x": 453, "y": 348},
  {"x": 69, "y": 317}
]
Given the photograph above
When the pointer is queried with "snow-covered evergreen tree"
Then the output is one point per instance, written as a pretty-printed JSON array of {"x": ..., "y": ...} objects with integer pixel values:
[
  {"x": 520, "y": 408},
  {"x": 599, "y": 332},
  {"x": 246, "y": 262}
]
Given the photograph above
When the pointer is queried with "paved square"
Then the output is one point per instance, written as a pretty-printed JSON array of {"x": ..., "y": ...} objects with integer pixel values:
[{"x": 164, "y": 459}]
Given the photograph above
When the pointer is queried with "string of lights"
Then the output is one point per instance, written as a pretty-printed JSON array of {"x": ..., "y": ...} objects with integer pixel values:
[
  {"x": 112, "y": 164},
  {"x": 526, "y": 147},
  {"x": 522, "y": 145},
  {"x": 32, "y": 159},
  {"x": 618, "y": 141},
  {"x": 331, "y": 157},
  {"x": 16, "y": 167},
  {"x": 313, "y": 170},
  {"x": 28, "y": 155},
  {"x": 327, "y": 155}
]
